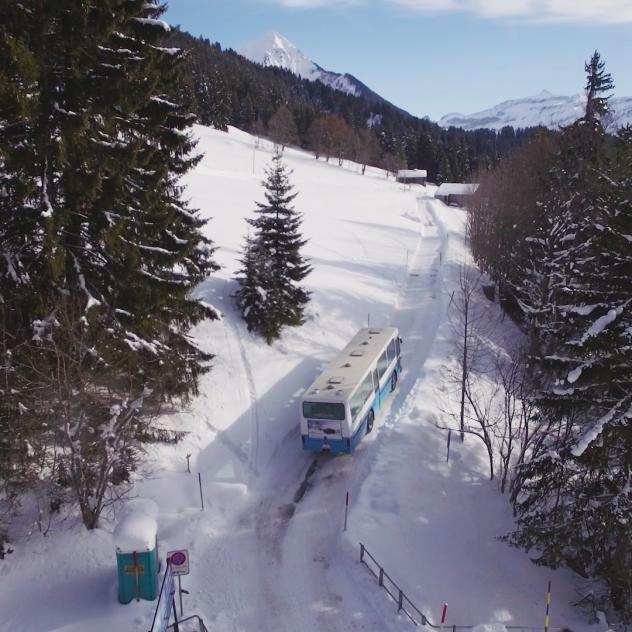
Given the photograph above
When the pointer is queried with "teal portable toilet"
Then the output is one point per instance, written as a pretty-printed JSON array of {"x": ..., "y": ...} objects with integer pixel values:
[{"x": 137, "y": 556}]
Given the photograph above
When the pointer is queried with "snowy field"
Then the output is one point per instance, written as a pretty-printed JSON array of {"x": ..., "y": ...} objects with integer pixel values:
[{"x": 269, "y": 553}]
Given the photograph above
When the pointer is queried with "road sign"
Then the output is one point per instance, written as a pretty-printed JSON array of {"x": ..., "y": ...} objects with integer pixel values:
[{"x": 179, "y": 562}]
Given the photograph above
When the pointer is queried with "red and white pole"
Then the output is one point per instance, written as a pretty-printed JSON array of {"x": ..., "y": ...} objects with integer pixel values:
[
  {"x": 346, "y": 509},
  {"x": 444, "y": 612}
]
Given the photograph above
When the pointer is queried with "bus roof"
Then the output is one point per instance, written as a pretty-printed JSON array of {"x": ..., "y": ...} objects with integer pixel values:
[{"x": 338, "y": 381}]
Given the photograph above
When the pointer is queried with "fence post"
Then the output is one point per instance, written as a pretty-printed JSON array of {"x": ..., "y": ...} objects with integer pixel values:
[
  {"x": 380, "y": 580},
  {"x": 201, "y": 495},
  {"x": 548, "y": 605},
  {"x": 361, "y": 552},
  {"x": 449, "y": 440},
  {"x": 400, "y": 602}
]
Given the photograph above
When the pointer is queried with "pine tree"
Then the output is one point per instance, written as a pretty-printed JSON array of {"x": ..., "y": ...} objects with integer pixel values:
[
  {"x": 252, "y": 279},
  {"x": 598, "y": 82},
  {"x": 270, "y": 296},
  {"x": 99, "y": 318},
  {"x": 220, "y": 108},
  {"x": 575, "y": 502}
]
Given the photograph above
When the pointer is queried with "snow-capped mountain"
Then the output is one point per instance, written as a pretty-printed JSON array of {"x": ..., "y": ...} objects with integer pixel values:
[
  {"x": 277, "y": 51},
  {"x": 546, "y": 109}
]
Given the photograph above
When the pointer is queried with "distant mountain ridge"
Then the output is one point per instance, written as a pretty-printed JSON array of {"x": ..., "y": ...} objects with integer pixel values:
[
  {"x": 544, "y": 109},
  {"x": 276, "y": 51}
]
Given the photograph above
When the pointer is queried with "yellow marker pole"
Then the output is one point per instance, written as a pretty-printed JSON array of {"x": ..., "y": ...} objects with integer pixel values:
[{"x": 548, "y": 605}]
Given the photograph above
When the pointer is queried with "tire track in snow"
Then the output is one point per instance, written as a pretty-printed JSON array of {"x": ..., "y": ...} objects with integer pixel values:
[
  {"x": 253, "y": 462},
  {"x": 332, "y": 594}
]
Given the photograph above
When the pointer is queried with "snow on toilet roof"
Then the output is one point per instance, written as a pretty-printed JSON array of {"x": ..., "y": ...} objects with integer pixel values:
[{"x": 135, "y": 532}]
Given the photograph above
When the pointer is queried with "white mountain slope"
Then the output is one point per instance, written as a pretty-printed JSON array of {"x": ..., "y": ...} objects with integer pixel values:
[
  {"x": 276, "y": 51},
  {"x": 546, "y": 109},
  {"x": 268, "y": 552}
]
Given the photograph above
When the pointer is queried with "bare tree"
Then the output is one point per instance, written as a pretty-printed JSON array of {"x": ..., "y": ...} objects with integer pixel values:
[
  {"x": 258, "y": 130},
  {"x": 282, "y": 128},
  {"x": 392, "y": 163},
  {"x": 366, "y": 148},
  {"x": 477, "y": 411},
  {"x": 338, "y": 136},
  {"x": 318, "y": 138}
]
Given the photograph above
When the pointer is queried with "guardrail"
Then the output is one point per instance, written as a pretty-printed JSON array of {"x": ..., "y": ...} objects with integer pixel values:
[
  {"x": 384, "y": 580},
  {"x": 416, "y": 616}
]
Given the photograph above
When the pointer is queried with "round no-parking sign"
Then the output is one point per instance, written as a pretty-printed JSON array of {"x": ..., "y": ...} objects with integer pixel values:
[{"x": 179, "y": 562}]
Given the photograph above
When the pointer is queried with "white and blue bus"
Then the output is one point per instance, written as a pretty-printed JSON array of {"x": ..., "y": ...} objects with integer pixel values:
[{"x": 339, "y": 408}]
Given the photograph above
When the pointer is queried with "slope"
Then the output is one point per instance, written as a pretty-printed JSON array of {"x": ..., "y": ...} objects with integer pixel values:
[
  {"x": 543, "y": 109},
  {"x": 268, "y": 552}
]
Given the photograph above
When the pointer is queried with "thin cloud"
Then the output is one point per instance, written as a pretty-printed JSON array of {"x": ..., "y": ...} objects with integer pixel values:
[
  {"x": 604, "y": 11},
  {"x": 317, "y": 4}
]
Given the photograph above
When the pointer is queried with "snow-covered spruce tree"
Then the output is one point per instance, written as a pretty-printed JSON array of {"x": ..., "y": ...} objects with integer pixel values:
[
  {"x": 19, "y": 219},
  {"x": 270, "y": 296},
  {"x": 575, "y": 503},
  {"x": 113, "y": 251},
  {"x": 253, "y": 278}
]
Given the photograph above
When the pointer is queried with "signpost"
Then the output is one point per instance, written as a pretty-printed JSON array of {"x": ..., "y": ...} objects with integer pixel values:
[
  {"x": 165, "y": 602},
  {"x": 179, "y": 565}
]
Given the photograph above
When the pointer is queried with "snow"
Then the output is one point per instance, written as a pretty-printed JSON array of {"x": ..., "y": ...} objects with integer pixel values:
[
  {"x": 136, "y": 532},
  {"x": 268, "y": 552},
  {"x": 151, "y": 21},
  {"x": 274, "y": 50},
  {"x": 456, "y": 188},
  {"x": 546, "y": 109},
  {"x": 575, "y": 374},
  {"x": 601, "y": 323},
  {"x": 412, "y": 173},
  {"x": 597, "y": 428}
]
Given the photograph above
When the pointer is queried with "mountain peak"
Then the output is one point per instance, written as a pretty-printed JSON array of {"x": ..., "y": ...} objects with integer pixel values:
[
  {"x": 546, "y": 109},
  {"x": 275, "y": 50}
]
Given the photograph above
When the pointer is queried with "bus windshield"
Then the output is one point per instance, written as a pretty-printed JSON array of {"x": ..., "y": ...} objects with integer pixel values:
[{"x": 323, "y": 410}]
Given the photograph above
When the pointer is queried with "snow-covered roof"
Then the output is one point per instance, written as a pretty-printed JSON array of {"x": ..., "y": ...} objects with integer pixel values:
[
  {"x": 337, "y": 382},
  {"x": 135, "y": 532},
  {"x": 412, "y": 173},
  {"x": 456, "y": 188}
]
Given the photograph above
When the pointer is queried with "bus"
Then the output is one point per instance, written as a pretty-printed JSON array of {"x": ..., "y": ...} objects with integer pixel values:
[{"x": 339, "y": 408}]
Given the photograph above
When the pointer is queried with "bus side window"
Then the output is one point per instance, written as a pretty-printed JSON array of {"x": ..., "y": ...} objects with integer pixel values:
[
  {"x": 382, "y": 364},
  {"x": 397, "y": 346},
  {"x": 391, "y": 351},
  {"x": 376, "y": 381}
]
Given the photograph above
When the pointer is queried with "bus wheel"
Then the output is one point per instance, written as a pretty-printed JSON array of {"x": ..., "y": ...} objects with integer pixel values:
[
  {"x": 369, "y": 421},
  {"x": 393, "y": 381}
]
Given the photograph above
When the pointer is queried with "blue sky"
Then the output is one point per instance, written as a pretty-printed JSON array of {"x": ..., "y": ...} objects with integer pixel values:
[{"x": 432, "y": 57}]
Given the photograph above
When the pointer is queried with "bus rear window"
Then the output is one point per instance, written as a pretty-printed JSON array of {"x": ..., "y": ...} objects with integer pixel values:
[{"x": 323, "y": 410}]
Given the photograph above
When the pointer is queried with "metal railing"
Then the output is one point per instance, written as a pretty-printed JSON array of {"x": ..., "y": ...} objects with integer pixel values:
[
  {"x": 384, "y": 580},
  {"x": 405, "y": 605}
]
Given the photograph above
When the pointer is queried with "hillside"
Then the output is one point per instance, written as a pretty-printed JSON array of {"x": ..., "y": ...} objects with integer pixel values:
[
  {"x": 224, "y": 88},
  {"x": 543, "y": 109},
  {"x": 275, "y": 51},
  {"x": 262, "y": 556}
]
